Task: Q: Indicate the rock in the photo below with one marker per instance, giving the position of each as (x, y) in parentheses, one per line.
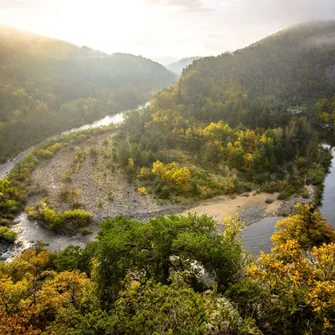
(252, 214)
(288, 207)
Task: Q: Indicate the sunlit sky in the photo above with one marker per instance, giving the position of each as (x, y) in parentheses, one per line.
(153, 28)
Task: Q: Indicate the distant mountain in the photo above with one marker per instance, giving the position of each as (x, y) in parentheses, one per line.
(180, 65)
(47, 85)
(164, 60)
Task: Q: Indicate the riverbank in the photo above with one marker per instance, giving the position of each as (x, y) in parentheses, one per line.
(7, 166)
(88, 177)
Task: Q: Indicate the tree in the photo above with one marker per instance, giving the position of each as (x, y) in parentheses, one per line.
(307, 227)
(292, 287)
(162, 246)
(149, 307)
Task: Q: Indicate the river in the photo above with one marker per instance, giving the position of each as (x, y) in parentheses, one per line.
(117, 118)
(256, 237)
(28, 230)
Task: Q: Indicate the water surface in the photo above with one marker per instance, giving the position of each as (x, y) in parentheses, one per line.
(30, 232)
(328, 201)
(256, 237)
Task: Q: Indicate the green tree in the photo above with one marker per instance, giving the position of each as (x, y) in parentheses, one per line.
(162, 246)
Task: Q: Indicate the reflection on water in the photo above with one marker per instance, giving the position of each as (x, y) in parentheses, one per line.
(256, 237)
(106, 121)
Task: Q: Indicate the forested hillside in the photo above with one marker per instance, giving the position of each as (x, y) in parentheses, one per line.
(48, 85)
(293, 67)
(234, 123)
(238, 120)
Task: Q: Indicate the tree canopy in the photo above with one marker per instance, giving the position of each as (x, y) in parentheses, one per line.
(175, 275)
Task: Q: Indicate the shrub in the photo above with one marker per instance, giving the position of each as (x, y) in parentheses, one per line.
(86, 231)
(7, 235)
(59, 221)
(4, 222)
(65, 196)
(94, 153)
(270, 187)
(142, 190)
(315, 176)
(44, 154)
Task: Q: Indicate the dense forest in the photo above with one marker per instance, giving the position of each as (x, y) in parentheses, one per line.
(47, 86)
(326, 112)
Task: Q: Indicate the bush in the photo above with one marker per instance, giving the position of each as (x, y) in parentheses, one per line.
(68, 221)
(86, 231)
(7, 235)
(316, 176)
(94, 153)
(44, 154)
(305, 194)
(64, 196)
(4, 222)
(270, 187)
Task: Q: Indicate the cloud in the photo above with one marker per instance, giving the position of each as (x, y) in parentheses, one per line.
(285, 12)
(185, 5)
(189, 27)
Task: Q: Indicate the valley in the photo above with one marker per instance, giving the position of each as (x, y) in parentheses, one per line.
(110, 194)
(208, 210)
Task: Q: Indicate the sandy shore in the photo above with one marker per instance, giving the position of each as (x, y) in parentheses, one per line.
(250, 207)
(228, 206)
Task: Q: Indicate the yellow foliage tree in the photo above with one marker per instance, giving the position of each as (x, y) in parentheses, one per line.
(307, 227)
(179, 176)
(302, 264)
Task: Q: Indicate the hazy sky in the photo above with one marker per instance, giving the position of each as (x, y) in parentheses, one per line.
(161, 27)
